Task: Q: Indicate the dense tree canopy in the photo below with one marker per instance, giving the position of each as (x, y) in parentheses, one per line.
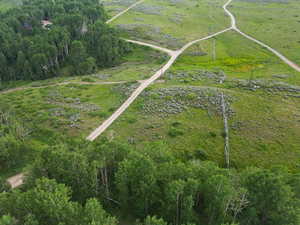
(70, 183)
(42, 38)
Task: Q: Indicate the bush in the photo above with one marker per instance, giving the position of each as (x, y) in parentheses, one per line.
(87, 79)
(174, 132)
(176, 124)
(131, 120)
(212, 134)
(201, 154)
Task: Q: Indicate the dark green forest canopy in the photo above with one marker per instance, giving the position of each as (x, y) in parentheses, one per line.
(42, 39)
(79, 183)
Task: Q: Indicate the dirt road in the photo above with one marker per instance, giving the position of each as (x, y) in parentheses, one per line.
(124, 11)
(278, 54)
(174, 55)
(16, 180)
(168, 51)
(145, 84)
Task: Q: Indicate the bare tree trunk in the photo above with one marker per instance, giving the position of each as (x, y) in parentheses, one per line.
(226, 131)
(177, 209)
(214, 50)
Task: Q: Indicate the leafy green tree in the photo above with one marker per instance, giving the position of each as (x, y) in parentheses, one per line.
(179, 201)
(218, 191)
(7, 220)
(88, 66)
(66, 167)
(31, 220)
(136, 182)
(271, 199)
(49, 203)
(4, 186)
(95, 215)
(20, 64)
(152, 220)
(3, 66)
(40, 65)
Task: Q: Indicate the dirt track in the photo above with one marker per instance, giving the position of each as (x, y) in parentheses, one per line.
(17, 180)
(174, 55)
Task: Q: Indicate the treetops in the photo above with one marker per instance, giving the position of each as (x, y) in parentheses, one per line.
(76, 39)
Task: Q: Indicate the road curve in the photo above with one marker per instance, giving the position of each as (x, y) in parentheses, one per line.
(145, 84)
(168, 51)
(278, 54)
(124, 11)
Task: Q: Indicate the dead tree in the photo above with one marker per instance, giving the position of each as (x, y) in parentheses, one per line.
(226, 130)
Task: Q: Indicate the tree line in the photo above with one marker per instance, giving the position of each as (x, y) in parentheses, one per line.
(87, 183)
(77, 42)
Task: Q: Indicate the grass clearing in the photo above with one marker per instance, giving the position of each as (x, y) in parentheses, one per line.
(113, 7)
(264, 123)
(277, 23)
(238, 58)
(173, 23)
(263, 128)
(70, 109)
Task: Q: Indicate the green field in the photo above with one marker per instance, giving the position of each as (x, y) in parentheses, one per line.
(184, 112)
(238, 58)
(173, 23)
(113, 7)
(277, 23)
(72, 109)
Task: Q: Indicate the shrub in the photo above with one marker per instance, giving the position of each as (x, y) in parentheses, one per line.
(212, 134)
(174, 132)
(201, 154)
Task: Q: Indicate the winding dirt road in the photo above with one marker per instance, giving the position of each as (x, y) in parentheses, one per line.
(174, 55)
(124, 11)
(278, 54)
(17, 180)
(168, 51)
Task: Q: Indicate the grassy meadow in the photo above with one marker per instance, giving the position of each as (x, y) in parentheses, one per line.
(173, 23)
(183, 112)
(239, 58)
(277, 23)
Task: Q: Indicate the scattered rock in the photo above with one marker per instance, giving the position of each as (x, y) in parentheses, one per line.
(174, 100)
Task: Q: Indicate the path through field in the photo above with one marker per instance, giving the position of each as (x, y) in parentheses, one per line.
(174, 55)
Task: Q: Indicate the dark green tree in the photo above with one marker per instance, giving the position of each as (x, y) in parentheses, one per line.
(271, 199)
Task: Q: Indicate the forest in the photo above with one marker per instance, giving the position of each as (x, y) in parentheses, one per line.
(72, 181)
(105, 182)
(43, 39)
